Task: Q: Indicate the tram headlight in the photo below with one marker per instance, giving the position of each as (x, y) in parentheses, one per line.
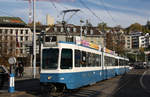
(49, 77)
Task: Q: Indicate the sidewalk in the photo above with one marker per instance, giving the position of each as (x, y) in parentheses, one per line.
(26, 77)
(15, 94)
(21, 92)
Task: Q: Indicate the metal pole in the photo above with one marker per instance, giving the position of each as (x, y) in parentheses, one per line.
(136, 57)
(81, 29)
(34, 39)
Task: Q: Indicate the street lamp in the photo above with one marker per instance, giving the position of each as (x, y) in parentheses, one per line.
(34, 39)
(81, 21)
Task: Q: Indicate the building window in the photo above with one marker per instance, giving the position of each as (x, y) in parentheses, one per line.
(71, 29)
(21, 51)
(6, 37)
(55, 29)
(21, 32)
(6, 31)
(21, 45)
(11, 31)
(68, 29)
(74, 29)
(26, 31)
(21, 38)
(91, 32)
(50, 39)
(3, 31)
(58, 29)
(11, 37)
(26, 38)
(62, 29)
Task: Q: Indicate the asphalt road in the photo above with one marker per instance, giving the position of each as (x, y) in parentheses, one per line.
(136, 83)
(133, 84)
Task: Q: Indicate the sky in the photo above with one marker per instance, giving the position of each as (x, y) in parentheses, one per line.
(112, 12)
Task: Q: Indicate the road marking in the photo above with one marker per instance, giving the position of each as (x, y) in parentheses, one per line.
(120, 87)
(141, 81)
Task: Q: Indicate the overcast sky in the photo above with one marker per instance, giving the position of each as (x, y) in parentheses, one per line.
(113, 12)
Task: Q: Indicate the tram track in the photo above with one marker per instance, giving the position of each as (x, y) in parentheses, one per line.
(127, 85)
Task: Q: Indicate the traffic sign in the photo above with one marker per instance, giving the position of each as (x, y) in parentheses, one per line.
(12, 60)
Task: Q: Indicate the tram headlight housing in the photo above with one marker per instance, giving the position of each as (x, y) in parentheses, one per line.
(49, 77)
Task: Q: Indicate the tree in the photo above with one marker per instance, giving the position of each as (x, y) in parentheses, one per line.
(141, 55)
(136, 27)
(37, 24)
(115, 42)
(109, 41)
(7, 49)
(102, 26)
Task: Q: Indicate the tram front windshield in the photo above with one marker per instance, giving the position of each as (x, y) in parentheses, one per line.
(50, 58)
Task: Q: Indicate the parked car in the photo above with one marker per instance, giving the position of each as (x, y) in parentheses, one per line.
(4, 76)
(140, 65)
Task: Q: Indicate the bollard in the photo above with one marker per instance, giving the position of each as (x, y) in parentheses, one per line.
(12, 83)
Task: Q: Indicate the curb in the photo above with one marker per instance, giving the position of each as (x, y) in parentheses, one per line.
(16, 94)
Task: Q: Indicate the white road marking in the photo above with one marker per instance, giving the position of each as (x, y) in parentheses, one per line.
(141, 81)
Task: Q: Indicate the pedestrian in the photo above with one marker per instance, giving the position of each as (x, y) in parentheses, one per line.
(16, 70)
(21, 70)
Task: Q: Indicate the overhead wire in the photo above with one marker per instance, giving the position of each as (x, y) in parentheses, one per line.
(93, 13)
(108, 12)
(71, 15)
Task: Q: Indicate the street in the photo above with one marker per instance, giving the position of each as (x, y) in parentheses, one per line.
(133, 84)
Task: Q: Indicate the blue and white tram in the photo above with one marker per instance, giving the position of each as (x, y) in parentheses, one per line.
(72, 66)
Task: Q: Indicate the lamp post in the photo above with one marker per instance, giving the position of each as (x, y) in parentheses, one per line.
(34, 39)
(81, 21)
(12, 62)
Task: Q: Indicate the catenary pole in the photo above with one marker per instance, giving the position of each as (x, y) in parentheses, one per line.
(34, 38)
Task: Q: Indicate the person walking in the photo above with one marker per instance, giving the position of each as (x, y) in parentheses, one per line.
(21, 70)
(16, 70)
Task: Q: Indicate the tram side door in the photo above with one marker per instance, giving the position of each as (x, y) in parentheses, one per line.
(104, 68)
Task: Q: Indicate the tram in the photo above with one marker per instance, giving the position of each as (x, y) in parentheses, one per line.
(70, 65)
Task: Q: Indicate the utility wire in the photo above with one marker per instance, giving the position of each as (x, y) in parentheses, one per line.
(67, 9)
(93, 13)
(108, 12)
(76, 14)
(53, 4)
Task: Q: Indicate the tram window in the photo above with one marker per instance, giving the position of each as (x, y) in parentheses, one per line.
(89, 60)
(97, 59)
(66, 59)
(109, 61)
(92, 60)
(77, 58)
(50, 58)
(83, 62)
(105, 58)
(116, 62)
(113, 61)
(121, 62)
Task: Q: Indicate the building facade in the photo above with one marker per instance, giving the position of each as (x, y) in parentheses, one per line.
(137, 40)
(128, 42)
(69, 33)
(15, 37)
